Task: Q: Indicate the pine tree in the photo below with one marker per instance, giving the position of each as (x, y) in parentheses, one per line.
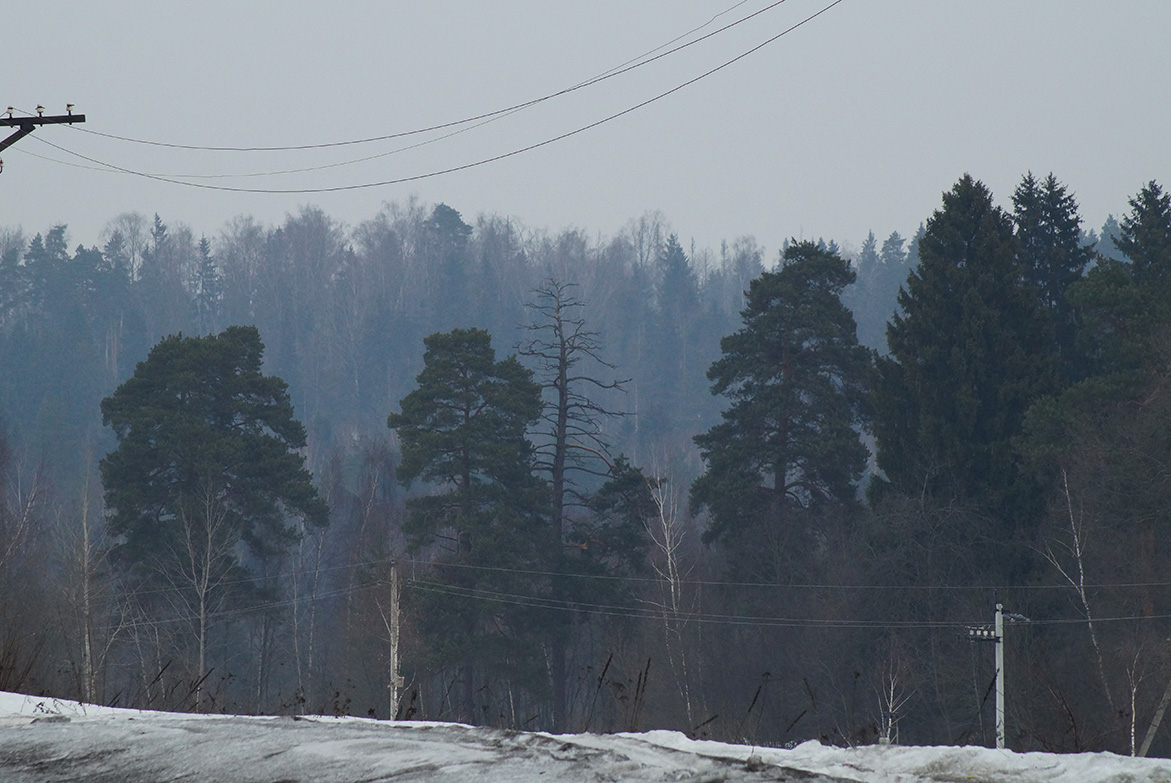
(462, 431)
(788, 442)
(896, 262)
(1103, 443)
(207, 478)
(47, 271)
(165, 301)
(13, 296)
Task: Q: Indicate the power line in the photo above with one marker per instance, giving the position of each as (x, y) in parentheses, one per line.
(318, 571)
(245, 610)
(26, 125)
(649, 612)
(775, 586)
(60, 162)
(619, 70)
(244, 175)
(465, 166)
(314, 571)
(636, 612)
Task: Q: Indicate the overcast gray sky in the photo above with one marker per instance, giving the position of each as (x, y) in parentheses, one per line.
(855, 121)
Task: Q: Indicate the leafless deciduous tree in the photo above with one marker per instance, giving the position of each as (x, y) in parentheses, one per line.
(95, 617)
(1069, 558)
(571, 444)
(668, 534)
(23, 498)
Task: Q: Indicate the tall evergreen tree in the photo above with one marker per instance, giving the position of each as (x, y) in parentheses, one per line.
(162, 284)
(858, 294)
(1107, 246)
(125, 339)
(969, 353)
(896, 262)
(1104, 441)
(1125, 303)
(1053, 257)
(1145, 238)
(788, 442)
(209, 291)
(873, 296)
(12, 278)
(677, 297)
(48, 274)
(462, 430)
(207, 479)
(452, 271)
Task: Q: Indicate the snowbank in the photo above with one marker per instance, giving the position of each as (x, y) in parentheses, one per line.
(44, 739)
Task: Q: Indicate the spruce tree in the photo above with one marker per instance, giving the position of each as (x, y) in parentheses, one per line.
(969, 353)
(676, 336)
(861, 294)
(209, 291)
(1123, 304)
(452, 276)
(1053, 257)
(1146, 239)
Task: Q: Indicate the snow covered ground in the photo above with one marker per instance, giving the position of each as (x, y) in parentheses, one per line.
(53, 740)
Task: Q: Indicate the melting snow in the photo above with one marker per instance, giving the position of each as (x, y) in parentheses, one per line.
(54, 740)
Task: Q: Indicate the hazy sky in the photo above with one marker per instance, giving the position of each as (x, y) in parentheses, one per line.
(855, 121)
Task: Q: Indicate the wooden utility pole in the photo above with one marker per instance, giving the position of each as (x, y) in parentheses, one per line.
(26, 125)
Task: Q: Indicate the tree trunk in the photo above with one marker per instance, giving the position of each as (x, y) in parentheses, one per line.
(559, 646)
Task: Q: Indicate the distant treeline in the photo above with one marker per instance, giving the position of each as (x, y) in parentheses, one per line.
(783, 526)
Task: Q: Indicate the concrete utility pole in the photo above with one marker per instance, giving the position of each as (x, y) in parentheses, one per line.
(995, 634)
(26, 125)
(1000, 676)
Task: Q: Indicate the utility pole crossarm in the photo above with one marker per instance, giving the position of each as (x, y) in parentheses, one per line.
(56, 119)
(27, 125)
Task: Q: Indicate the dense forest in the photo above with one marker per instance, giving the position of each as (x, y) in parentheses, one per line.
(420, 467)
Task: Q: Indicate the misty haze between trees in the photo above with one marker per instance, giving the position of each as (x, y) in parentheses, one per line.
(563, 482)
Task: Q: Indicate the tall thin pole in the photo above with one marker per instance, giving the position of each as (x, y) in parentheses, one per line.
(396, 680)
(999, 630)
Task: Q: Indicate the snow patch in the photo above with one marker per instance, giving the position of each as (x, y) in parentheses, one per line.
(46, 739)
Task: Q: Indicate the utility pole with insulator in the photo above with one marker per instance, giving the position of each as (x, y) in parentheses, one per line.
(995, 634)
(26, 125)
